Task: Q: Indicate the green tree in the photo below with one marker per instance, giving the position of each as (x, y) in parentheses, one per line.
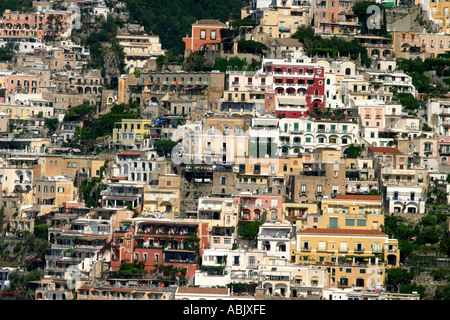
(250, 230)
(442, 292)
(411, 287)
(250, 46)
(397, 277)
(354, 151)
(165, 145)
(51, 123)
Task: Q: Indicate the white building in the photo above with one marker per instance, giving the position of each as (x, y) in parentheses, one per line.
(274, 239)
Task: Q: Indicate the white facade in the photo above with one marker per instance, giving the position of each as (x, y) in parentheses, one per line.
(273, 238)
(299, 135)
(407, 199)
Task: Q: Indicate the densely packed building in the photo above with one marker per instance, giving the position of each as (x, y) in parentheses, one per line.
(250, 148)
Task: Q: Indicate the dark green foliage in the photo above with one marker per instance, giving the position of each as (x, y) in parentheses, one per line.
(440, 274)
(22, 282)
(165, 145)
(410, 288)
(233, 63)
(332, 47)
(16, 5)
(408, 101)
(51, 123)
(250, 230)
(105, 33)
(250, 46)
(397, 277)
(78, 112)
(7, 52)
(196, 62)
(94, 128)
(354, 151)
(360, 10)
(423, 83)
(442, 292)
(41, 231)
(172, 20)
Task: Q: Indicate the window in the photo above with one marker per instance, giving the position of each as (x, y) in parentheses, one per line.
(349, 222)
(303, 188)
(333, 223)
(319, 189)
(202, 34)
(359, 247)
(223, 180)
(236, 260)
(305, 245)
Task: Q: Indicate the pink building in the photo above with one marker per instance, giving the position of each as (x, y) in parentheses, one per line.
(205, 35)
(249, 81)
(444, 150)
(372, 116)
(299, 86)
(253, 207)
(35, 25)
(335, 17)
(21, 83)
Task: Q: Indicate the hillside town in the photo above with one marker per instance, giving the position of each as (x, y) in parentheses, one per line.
(294, 150)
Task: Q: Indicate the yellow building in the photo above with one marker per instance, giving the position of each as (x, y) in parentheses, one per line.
(163, 197)
(131, 133)
(440, 14)
(353, 212)
(355, 257)
(139, 49)
(16, 111)
(297, 212)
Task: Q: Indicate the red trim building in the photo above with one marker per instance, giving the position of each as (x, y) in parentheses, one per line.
(160, 242)
(204, 35)
(298, 86)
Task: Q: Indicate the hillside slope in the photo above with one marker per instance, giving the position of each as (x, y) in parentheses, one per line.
(172, 19)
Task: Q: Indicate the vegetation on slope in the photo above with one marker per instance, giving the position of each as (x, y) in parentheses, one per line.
(171, 20)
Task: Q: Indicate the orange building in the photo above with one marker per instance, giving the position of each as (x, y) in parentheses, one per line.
(205, 34)
(36, 25)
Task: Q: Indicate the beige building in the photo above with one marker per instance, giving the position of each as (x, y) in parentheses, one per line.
(164, 197)
(51, 193)
(279, 22)
(139, 49)
(355, 257)
(412, 44)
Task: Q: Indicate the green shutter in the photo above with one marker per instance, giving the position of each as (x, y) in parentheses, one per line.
(333, 223)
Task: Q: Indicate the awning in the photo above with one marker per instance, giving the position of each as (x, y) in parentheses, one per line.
(160, 120)
(299, 101)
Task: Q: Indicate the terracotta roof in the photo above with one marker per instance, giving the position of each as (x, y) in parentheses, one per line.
(384, 150)
(289, 42)
(357, 197)
(342, 231)
(198, 290)
(129, 153)
(118, 178)
(209, 21)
